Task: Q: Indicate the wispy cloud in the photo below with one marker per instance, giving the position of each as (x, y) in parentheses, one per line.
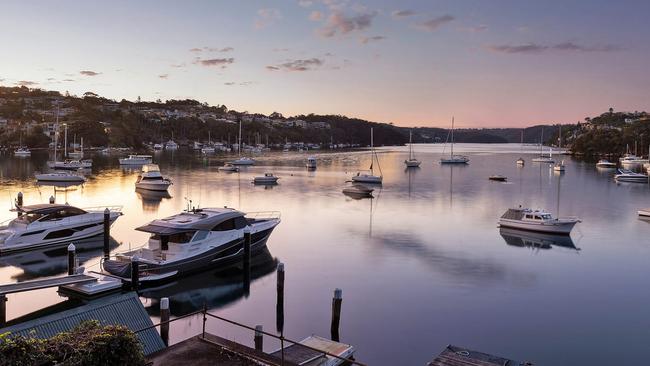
(89, 73)
(340, 23)
(211, 49)
(477, 29)
(305, 3)
(182, 64)
(434, 23)
(243, 83)
(266, 17)
(315, 16)
(215, 62)
(69, 80)
(163, 76)
(297, 65)
(366, 40)
(535, 48)
(403, 13)
(26, 83)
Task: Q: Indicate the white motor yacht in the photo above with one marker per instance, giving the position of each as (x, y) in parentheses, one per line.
(227, 167)
(625, 175)
(559, 167)
(45, 225)
(151, 179)
(604, 163)
(542, 221)
(22, 152)
(171, 145)
(158, 147)
(268, 178)
(521, 162)
(67, 177)
(136, 160)
(454, 159)
(631, 159)
(192, 241)
(311, 163)
(208, 149)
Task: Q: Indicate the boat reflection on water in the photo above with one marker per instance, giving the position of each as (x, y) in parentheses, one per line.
(52, 262)
(535, 240)
(215, 289)
(151, 199)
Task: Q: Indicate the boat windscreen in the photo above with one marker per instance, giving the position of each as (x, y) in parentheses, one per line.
(513, 214)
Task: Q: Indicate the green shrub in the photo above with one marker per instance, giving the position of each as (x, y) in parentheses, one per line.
(87, 344)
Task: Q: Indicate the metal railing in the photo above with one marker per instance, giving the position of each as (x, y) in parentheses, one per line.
(281, 337)
(258, 215)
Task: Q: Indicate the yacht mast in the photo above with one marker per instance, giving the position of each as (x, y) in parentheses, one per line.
(65, 145)
(239, 144)
(410, 145)
(452, 137)
(372, 150)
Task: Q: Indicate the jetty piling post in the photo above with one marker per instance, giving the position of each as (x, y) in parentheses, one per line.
(336, 313)
(52, 200)
(259, 340)
(71, 259)
(135, 273)
(107, 233)
(19, 202)
(279, 308)
(247, 259)
(164, 320)
(3, 309)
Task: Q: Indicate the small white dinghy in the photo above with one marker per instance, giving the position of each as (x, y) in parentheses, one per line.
(268, 178)
(300, 355)
(559, 167)
(604, 163)
(311, 163)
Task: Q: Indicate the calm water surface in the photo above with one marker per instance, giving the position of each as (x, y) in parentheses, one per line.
(421, 265)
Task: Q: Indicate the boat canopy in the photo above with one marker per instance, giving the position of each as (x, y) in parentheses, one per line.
(194, 220)
(45, 208)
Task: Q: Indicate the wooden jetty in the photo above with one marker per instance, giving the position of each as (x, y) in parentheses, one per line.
(459, 356)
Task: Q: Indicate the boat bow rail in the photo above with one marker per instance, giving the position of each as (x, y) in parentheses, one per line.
(101, 209)
(264, 215)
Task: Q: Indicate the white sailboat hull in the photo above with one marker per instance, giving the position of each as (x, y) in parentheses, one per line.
(58, 177)
(367, 178)
(412, 163)
(554, 226)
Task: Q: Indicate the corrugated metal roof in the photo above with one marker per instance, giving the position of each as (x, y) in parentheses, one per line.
(123, 309)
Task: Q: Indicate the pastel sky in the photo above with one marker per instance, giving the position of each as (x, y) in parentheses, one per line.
(489, 63)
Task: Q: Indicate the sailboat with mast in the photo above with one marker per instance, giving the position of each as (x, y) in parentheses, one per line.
(22, 151)
(369, 175)
(412, 162)
(242, 160)
(209, 148)
(454, 159)
(543, 158)
(521, 161)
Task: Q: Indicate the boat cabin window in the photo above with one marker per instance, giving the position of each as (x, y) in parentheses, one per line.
(530, 217)
(225, 225)
(200, 235)
(236, 223)
(546, 216)
(63, 213)
(178, 238)
(30, 217)
(537, 217)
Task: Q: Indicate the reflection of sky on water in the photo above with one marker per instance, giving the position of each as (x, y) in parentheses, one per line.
(421, 265)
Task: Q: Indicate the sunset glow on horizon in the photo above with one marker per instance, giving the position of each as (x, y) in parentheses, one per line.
(414, 63)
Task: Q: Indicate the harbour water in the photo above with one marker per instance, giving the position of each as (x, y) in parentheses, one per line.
(422, 264)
